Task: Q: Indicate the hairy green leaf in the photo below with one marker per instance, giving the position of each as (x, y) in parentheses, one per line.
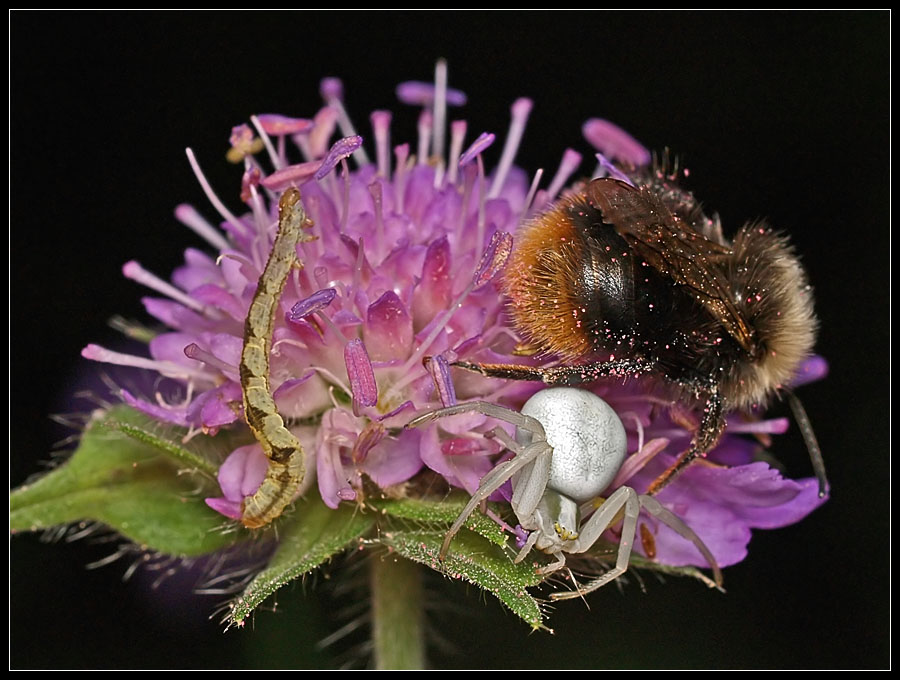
(477, 560)
(128, 473)
(442, 513)
(307, 537)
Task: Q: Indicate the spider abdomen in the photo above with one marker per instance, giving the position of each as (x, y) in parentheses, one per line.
(588, 440)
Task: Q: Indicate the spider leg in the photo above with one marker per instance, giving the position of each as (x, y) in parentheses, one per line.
(711, 425)
(532, 482)
(492, 481)
(674, 522)
(554, 566)
(624, 497)
(529, 544)
(485, 408)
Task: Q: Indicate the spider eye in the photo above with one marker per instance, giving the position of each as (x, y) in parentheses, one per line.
(564, 533)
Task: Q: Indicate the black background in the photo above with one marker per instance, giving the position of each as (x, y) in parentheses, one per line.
(780, 115)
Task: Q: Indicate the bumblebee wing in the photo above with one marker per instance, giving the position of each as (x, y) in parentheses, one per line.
(673, 247)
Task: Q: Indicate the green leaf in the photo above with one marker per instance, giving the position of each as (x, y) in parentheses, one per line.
(128, 473)
(476, 560)
(442, 513)
(134, 428)
(308, 537)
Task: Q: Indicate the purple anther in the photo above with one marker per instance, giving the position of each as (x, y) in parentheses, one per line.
(241, 136)
(416, 92)
(342, 148)
(612, 170)
(614, 142)
(331, 88)
(440, 373)
(318, 300)
(485, 139)
(494, 258)
(521, 536)
(362, 377)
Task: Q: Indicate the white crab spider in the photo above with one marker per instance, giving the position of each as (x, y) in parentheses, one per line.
(569, 446)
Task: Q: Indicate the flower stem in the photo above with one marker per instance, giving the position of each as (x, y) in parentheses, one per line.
(397, 617)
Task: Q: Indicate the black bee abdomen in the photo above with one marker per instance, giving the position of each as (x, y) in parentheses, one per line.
(632, 310)
(618, 293)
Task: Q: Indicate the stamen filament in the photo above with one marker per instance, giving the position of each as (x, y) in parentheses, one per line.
(134, 271)
(264, 136)
(193, 220)
(520, 110)
(440, 107)
(424, 129)
(211, 195)
(167, 368)
(457, 138)
(332, 92)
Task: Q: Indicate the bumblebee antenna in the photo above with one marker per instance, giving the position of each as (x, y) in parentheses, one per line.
(812, 444)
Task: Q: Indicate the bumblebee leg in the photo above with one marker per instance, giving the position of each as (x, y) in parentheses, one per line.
(705, 438)
(560, 375)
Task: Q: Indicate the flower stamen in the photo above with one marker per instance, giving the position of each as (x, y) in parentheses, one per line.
(520, 111)
(570, 161)
(267, 141)
(381, 126)
(532, 190)
(424, 129)
(134, 271)
(440, 107)
(211, 195)
(401, 153)
(457, 138)
(167, 368)
(193, 220)
(332, 90)
(194, 351)
(363, 389)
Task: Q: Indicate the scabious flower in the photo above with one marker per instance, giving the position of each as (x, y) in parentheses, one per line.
(722, 497)
(401, 266)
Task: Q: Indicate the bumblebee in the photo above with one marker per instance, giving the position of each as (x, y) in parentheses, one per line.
(633, 279)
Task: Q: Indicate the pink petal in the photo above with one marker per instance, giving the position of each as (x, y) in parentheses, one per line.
(389, 331)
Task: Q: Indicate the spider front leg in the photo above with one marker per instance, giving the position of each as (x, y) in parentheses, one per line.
(485, 408)
(600, 521)
(493, 480)
(623, 497)
(675, 523)
(531, 484)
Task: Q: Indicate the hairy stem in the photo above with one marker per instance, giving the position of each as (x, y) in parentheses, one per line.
(397, 616)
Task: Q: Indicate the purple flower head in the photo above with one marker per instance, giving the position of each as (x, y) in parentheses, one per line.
(399, 278)
(400, 268)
